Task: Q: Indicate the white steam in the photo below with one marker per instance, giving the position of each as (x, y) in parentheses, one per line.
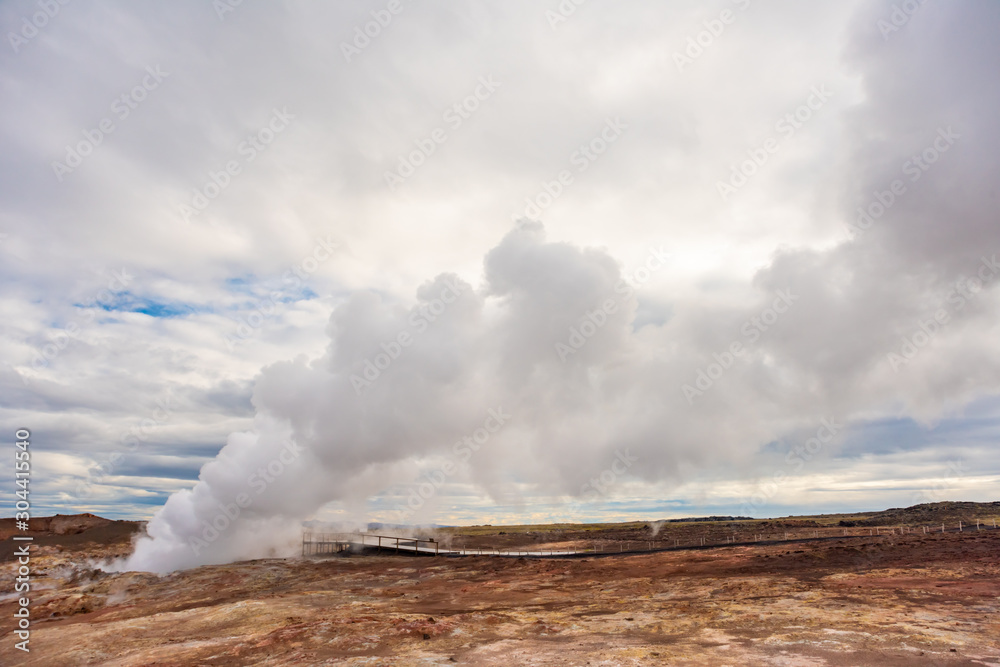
(326, 431)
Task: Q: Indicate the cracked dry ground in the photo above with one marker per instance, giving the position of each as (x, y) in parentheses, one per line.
(922, 600)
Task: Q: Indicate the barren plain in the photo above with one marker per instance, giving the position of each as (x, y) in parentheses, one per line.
(897, 598)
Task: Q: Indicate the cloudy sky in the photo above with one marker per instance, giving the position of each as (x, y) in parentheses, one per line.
(696, 257)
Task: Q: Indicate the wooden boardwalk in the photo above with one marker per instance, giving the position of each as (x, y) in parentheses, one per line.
(318, 544)
(315, 544)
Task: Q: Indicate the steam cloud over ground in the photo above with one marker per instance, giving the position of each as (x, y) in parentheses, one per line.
(548, 353)
(498, 263)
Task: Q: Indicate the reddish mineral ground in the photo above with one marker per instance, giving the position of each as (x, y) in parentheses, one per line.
(897, 598)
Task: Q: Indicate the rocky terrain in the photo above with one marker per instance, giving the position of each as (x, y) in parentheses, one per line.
(84, 533)
(898, 598)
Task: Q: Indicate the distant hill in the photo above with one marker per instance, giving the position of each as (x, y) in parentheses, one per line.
(69, 531)
(925, 514)
(60, 524)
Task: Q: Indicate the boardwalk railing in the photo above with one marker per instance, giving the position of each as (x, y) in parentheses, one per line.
(325, 543)
(316, 544)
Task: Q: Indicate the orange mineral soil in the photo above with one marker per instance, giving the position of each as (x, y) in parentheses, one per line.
(912, 599)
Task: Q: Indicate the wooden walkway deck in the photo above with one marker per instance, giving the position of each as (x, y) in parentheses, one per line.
(318, 544)
(315, 544)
